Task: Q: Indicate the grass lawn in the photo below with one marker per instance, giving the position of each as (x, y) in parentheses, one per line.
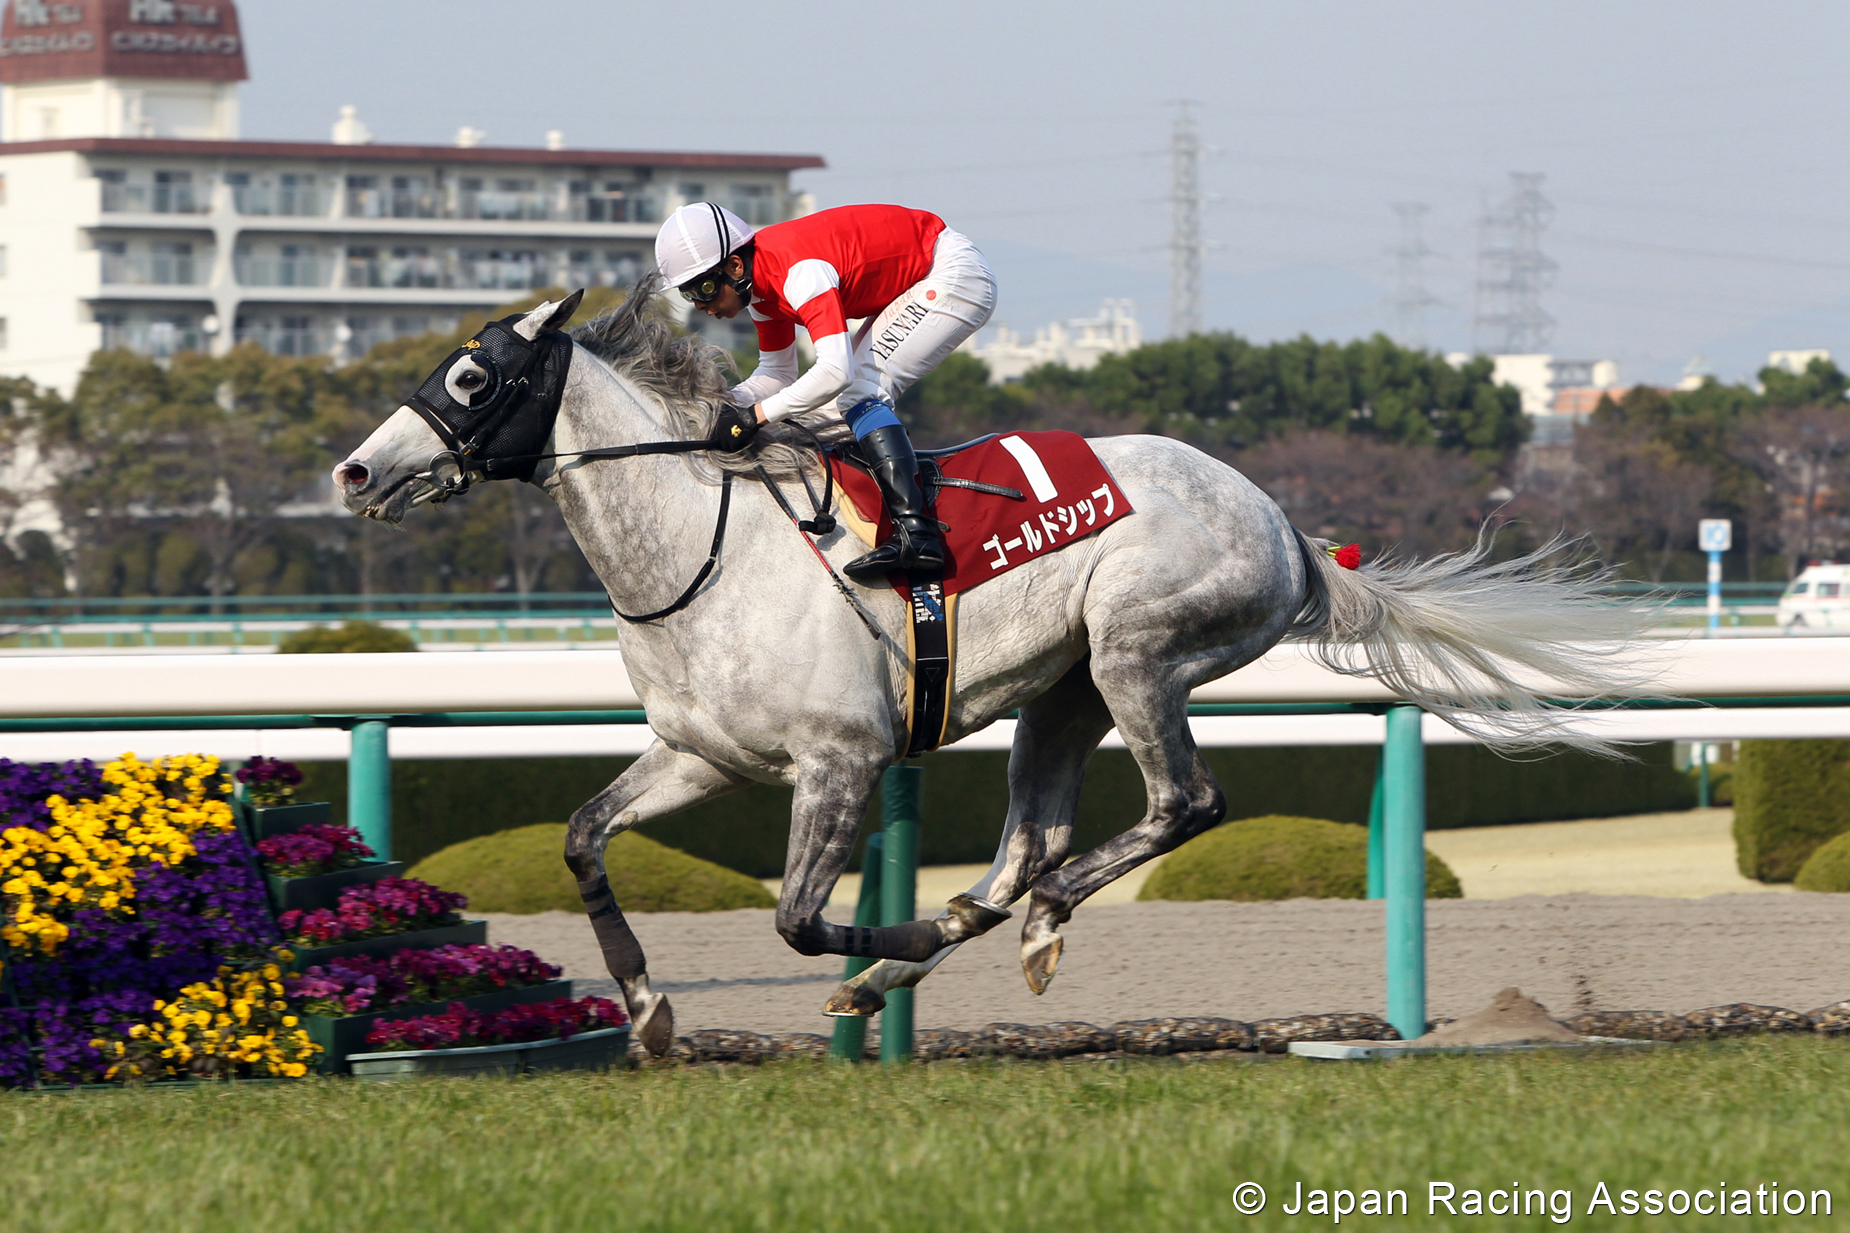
(1149, 1144)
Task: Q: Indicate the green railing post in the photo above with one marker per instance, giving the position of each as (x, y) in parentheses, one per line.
(1377, 865)
(899, 880)
(1403, 815)
(850, 1039)
(369, 784)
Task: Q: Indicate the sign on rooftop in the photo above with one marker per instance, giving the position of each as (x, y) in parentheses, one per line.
(46, 40)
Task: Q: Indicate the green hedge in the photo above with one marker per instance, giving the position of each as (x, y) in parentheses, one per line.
(437, 803)
(523, 870)
(1827, 869)
(354, 637)
(1261, 859)
(1789, 798)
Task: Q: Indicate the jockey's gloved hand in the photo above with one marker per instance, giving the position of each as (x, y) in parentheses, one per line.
(735, 427)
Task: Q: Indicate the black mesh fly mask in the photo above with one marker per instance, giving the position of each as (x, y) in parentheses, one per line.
(493, 402)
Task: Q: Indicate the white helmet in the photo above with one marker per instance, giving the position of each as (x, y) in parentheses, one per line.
(696, 238)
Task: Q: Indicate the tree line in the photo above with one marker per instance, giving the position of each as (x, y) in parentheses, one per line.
(206, 476)
(1396, 449)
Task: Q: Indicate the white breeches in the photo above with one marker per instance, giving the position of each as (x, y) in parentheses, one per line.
(915, 332)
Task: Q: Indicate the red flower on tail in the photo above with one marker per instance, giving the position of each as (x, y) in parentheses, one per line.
(1349, 556)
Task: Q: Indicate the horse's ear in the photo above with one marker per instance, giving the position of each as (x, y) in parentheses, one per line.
(548, 316)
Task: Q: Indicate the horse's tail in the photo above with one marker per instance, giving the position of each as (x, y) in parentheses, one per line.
(1473, 640)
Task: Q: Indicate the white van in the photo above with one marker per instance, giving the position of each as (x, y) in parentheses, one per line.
(1818, 598)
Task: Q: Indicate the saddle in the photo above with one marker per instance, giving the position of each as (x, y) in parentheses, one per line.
(1003, 499)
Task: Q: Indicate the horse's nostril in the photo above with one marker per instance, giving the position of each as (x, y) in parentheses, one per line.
(351, 474)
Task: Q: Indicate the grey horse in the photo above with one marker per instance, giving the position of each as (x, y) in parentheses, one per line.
(769, 676)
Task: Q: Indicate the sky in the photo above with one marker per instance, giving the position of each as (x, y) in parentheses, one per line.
(1692, 150)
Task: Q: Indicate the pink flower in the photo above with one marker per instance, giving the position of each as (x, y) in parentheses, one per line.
(375, 909)
(312, 850)
(461, 1027)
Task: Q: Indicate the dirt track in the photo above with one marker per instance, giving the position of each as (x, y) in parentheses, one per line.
(1251, 961)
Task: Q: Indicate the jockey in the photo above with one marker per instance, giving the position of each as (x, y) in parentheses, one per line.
(919, 288)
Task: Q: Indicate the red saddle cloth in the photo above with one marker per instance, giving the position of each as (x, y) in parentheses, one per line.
(1066, 495)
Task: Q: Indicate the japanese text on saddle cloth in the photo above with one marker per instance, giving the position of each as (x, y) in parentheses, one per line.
(1067, 494)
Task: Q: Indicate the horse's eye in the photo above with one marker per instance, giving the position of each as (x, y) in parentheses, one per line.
(469, 379)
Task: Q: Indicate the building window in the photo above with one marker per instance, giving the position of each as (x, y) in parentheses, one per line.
(296, 336)
(172, 265)
(119, 196)
(113, 259)
(160, 337)
(364, 200)
(412, 266)
(174, 193)
(2, 333)
(412, 197)
(2, 189)
(509, 199)
(364, 268)
(296, 195)
(755, 203)
(298, 267)
(2, 261)
(613, 201)
(504, 270)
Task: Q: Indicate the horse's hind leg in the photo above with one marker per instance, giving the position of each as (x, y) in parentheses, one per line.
(1054, 739)
(660, 782)
(1150, 705)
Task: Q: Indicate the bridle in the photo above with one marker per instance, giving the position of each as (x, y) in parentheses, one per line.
(516, 409)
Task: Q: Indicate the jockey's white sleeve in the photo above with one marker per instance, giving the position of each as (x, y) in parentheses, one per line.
(827, 377)
(775, 371)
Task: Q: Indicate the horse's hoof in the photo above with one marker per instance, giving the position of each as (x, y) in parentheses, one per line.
(654, 1025)
(854, 1000)
(1039, 960)
(968, 917)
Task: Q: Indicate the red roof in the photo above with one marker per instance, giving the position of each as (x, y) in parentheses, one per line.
(405, 154)
(51, 40)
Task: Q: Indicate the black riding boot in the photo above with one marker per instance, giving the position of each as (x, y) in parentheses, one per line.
(916, 543)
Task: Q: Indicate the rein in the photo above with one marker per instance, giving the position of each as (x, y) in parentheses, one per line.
(525, 382)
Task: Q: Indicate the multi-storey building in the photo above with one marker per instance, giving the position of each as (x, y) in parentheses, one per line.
(131, 215)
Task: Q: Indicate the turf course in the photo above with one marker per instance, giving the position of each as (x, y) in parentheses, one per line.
(1154, 1144)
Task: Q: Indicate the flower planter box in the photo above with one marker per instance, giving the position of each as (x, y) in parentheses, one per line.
(346, 1035)
(467, 933)
(586, 1051)
(261, 822)
(322, 890)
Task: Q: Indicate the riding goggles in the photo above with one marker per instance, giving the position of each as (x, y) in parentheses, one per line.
(704, 289)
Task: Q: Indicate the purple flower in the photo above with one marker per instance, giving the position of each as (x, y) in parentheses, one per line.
(269, 782)
(361, 983)
(187, 920)
(24, 787)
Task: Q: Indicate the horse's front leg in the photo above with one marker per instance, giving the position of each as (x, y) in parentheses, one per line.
(660, 782)
(832, 792)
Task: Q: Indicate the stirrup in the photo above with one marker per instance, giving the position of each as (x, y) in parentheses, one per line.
(898, 555)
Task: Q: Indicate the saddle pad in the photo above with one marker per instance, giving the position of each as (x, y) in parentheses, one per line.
(1066, 492)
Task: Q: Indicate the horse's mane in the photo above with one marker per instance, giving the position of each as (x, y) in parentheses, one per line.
(690, 377)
